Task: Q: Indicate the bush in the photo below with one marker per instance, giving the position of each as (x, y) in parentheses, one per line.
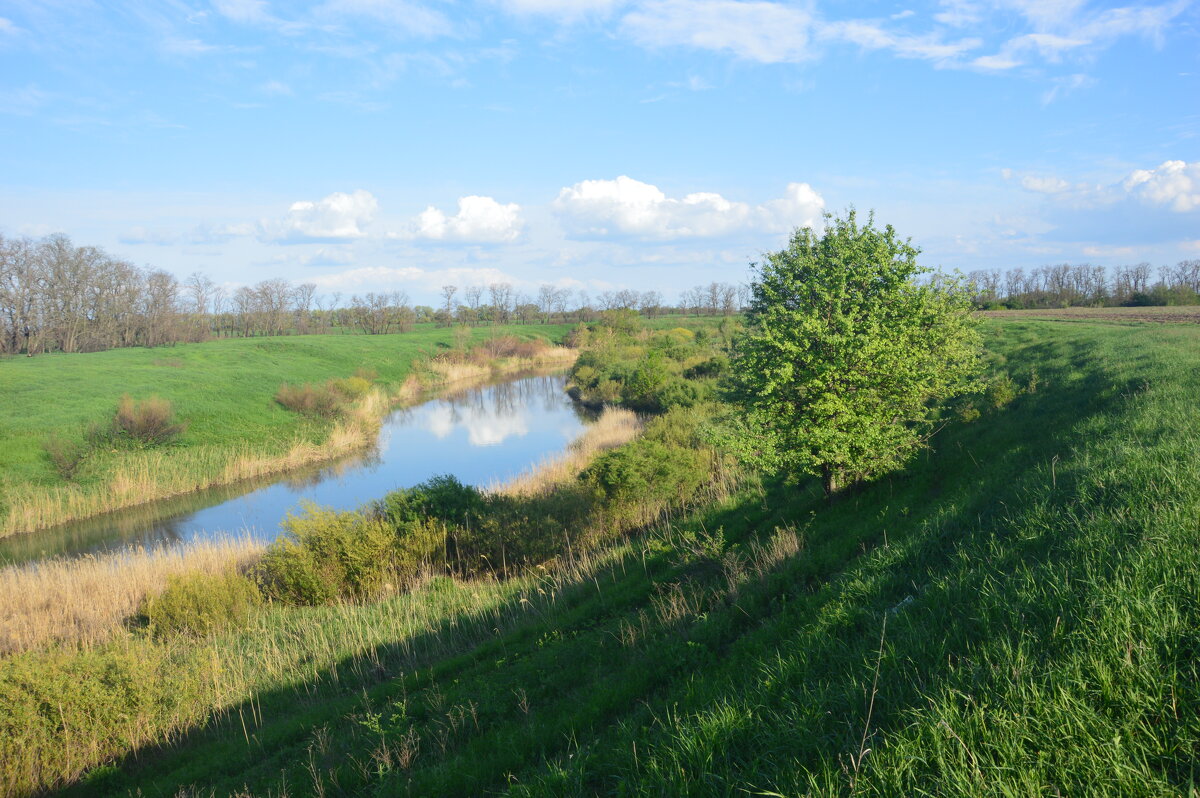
(198, 604)
(1000, 391)
(442, 497)
(67, 456)
(150, 422)
(318, 401)
(327, 555)
(351, 387)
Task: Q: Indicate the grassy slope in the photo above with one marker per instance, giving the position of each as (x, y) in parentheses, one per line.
(224, 389)
(1042, 560)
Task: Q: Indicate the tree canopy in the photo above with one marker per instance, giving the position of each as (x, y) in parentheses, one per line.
(848, 350)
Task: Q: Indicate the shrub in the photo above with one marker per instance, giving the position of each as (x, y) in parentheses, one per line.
(1000, 391)
(318, 401)
(712, 367)
(326, 555)
(150, 421)
(442, 497)
(198, 604)
(67, 456)
(351, 387)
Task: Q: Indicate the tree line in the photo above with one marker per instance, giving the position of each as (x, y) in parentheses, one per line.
(59, 297)
(1066, 285)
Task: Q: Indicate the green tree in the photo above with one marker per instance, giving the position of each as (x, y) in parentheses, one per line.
(847, 352)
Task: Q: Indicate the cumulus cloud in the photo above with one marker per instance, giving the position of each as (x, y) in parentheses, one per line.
(479, 220)
(1175, 184)
(630, 207)
(337, 216)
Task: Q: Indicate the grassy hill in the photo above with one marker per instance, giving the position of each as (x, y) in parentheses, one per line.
(1017, 613)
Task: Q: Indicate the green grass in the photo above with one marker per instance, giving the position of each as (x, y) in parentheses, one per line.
(224, 390)
(1017, 613)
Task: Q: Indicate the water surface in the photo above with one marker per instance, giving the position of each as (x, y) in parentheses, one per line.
(481, 435)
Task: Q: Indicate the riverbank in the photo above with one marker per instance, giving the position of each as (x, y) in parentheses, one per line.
(224, 391)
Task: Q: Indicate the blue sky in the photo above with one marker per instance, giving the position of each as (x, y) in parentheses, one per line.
(370, 145)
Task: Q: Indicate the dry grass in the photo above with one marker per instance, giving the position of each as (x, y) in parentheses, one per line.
(615, 427)
(477, 365)
(86, 601)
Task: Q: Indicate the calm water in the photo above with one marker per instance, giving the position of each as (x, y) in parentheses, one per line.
(482, 435)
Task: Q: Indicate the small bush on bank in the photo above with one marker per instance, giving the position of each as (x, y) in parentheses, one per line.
(66, 455)
(150, 422)
(199, 604)
(351, 387)
(317, 401)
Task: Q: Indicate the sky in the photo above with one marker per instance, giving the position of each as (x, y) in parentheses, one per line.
(366, 145)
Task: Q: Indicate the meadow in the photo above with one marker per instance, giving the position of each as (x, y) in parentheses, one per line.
(1015, 613)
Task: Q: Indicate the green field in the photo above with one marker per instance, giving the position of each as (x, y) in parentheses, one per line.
(1017, 613)
(224, 390)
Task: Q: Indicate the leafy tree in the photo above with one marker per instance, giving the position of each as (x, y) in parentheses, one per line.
(847, 353)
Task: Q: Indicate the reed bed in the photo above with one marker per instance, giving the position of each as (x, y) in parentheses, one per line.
(615, 427)
(86, 601)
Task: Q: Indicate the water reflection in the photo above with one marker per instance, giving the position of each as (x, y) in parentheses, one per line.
(480, 435)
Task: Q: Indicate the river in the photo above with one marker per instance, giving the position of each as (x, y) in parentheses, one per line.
(481, 435)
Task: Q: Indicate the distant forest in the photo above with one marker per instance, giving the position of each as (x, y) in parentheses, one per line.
(58, 297)
(1067, 285)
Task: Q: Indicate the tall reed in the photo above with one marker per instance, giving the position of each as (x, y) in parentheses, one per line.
(82, 602)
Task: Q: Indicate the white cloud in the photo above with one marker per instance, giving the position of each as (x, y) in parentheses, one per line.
(479, 219)
(630, 207)
(412, 18)
(1096, 251)
(562, 10)
(757, 31)
(7, 26)
(870, 36)
(1175, 184)
(143, 235)
(386, 277)
(336, 216)
(1045, 185)
(247, 11)
(276, 87)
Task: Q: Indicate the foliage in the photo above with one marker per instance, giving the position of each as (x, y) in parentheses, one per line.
(199, 604)
(150, 422)
(846, 353)
(327, 555)
(441, 497)
(318, 401)
(66, 454)
(647, 371)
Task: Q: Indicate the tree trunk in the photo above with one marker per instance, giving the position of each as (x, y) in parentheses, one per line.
(827, 482)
